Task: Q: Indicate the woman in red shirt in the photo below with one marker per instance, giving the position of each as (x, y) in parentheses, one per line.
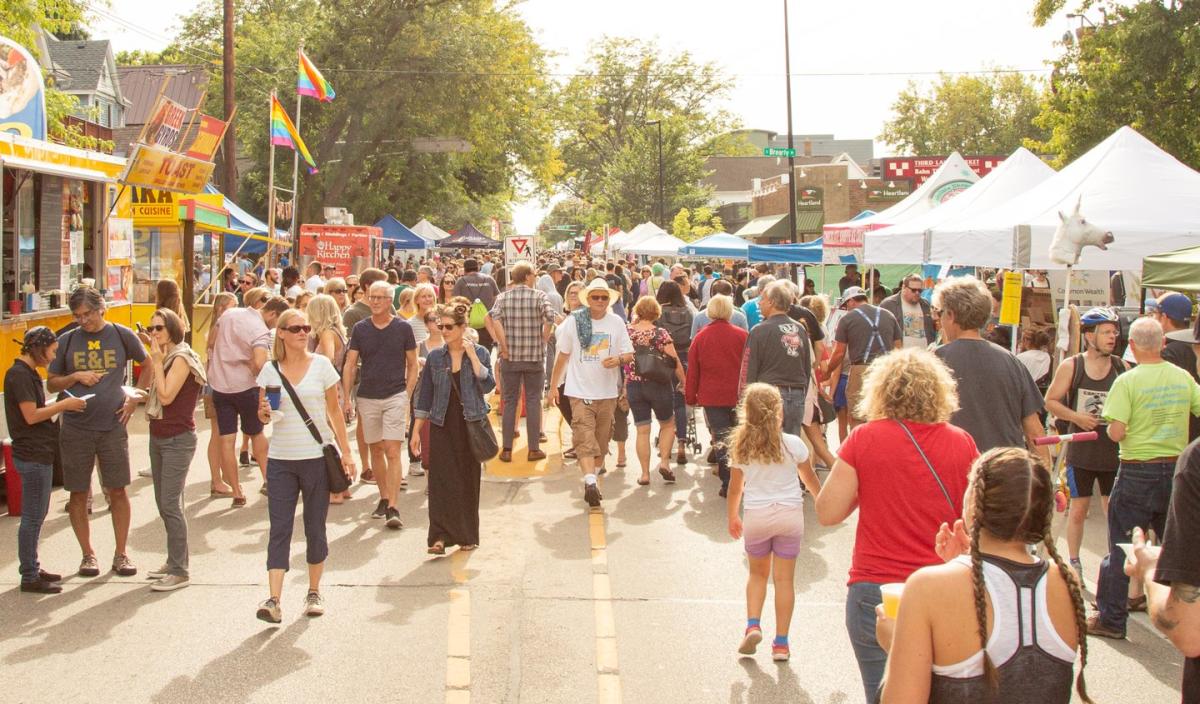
(906, 471)
(714, 370)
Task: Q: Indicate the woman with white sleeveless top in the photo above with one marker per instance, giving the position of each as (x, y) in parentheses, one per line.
(1028, 613)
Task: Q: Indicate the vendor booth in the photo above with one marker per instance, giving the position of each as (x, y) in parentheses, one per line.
(638, 234)
(398, 238)
(802, 253)
(1175, 271)
(721, 245)
(429, 232)
(469, 237)
(661, 245)
(349, 248)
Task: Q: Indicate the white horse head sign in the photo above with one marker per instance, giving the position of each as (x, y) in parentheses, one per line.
(1073, 234)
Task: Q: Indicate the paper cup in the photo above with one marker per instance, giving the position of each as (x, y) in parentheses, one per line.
(1127, 548)
(891, 598)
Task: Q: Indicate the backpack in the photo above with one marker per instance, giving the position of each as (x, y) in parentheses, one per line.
(678, 322)
(477, 316)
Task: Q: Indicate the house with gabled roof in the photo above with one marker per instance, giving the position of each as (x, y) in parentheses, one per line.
(86, 69)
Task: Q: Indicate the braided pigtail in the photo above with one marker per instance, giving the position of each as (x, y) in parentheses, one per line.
(978, 584)
(1080, 613)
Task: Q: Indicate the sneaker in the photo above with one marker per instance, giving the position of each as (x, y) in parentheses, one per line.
(269, 611)
(380, 510)
(123, 566)
(244, 459)
(505, 455)
(1095, 628)
(591, 494)
(41, 586)
(393, 519)
(49, 576)
(147, 472)
(750, 640)
(89, 567)
(170, 583)
(368, 477)
(780, 653)
(724, 492)
(416, 470)
(1137, 603)
(314, 605)
(158, 573)
(535, 455)
(1077, 566)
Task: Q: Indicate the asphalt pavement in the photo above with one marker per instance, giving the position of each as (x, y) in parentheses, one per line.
(640, 602)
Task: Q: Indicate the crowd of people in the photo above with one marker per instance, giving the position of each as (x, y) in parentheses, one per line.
(938, 431)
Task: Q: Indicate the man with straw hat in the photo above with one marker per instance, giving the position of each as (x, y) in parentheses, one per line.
(593, 343)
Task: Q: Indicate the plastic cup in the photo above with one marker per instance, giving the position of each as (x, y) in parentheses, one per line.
(1127, 548)
(891, 598)
(273, 397)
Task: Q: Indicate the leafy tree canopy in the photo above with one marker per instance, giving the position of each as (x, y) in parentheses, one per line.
(691, 225)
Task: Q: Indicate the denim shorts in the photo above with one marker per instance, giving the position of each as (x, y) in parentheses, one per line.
(650, 397)
(243, 406)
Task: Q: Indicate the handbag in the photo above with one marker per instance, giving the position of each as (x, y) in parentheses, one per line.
(654, 365)
(932, 471)
(480, 437)
(339, 481)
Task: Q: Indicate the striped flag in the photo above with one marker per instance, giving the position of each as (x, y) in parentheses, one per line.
(310, 82)
(284, 134)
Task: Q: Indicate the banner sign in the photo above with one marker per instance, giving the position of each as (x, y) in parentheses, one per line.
(347, 247)
(148, 207)
(919, 168)
(155, 167)
(208, 138)
(1010, 303)
(164, 125)
(22, 96)
(518, 248)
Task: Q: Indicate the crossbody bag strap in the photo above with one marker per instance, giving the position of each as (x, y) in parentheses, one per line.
(928, 464)
(308, 422)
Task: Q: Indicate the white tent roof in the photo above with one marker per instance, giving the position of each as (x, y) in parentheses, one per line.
(660, 245)
(908, 242)
(638, 234)
(598, 248)
(428, 231)
(1147, 198)
(951, 178)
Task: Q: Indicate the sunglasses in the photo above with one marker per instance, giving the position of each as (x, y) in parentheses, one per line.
(156, 328)
(294, 329)
(336, 290)
(916, 290)
(446, 328)
(598, 298)
(247, 283)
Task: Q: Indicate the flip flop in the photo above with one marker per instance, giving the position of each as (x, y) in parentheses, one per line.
(466, 548)
(667, 475)
(438, 548)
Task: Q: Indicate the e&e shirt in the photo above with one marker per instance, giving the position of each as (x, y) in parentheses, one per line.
(107, 352)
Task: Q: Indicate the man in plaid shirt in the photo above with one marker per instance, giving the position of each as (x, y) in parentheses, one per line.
(523, 321)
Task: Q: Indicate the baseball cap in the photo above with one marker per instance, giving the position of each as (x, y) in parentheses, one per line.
(1191, 337)
(1176, 306)
(851, 293)
(552, 266)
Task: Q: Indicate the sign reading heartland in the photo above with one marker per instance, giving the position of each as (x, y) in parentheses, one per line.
(22, 97)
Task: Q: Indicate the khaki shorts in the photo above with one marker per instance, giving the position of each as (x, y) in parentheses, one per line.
(383, 418)
(592, 426)
(854, 389)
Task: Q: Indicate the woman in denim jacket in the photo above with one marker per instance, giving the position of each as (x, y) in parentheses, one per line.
(449, 393)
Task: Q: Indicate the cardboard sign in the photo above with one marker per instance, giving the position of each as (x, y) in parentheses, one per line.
(1010, 304)
(518, 248)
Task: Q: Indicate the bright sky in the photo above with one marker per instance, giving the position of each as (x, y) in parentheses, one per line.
(893, 41)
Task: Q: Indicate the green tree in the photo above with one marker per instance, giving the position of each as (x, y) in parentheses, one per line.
(985, 114)
(689, 225)
(1140, 67)
(573, 213)
(467, 70)
(172, 54)
(610, 152)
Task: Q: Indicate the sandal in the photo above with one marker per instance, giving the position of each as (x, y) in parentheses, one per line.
(239, 501)
(643, 482)
(466, 548)
(667, 475)
(214, 494)
(438, 548)
(570, 454)
(621, 464)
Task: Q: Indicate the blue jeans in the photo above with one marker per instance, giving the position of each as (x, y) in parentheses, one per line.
(793, 410)
(860, 625)
(1140, 498)
(35, 502)
(649, 399)
(721, 420)
(287, 481)
(680, 407)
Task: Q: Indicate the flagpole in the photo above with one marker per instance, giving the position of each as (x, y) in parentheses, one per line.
(271, 184)
(296, 162)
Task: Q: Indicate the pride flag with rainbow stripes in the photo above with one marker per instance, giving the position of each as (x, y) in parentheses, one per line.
(310, 82)
(283, 134)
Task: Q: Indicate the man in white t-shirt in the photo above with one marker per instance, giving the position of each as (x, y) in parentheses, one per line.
(912, 312)
(314, 281)
(593, 377)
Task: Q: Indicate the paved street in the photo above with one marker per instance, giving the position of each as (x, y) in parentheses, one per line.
(640, 603)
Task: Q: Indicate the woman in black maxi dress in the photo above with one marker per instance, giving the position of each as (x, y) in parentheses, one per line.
(453, 479)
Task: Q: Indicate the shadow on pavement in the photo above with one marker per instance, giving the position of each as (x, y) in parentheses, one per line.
(784, 687)
(83, 630)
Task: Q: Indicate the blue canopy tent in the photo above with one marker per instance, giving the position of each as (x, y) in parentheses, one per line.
(397, 236)
(468, 237)
(804, 253)
(242, 221)
(720, 244)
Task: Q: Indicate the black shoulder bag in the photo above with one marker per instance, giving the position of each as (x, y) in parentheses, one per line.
(339, 481)
(480, 436)
(652, 364)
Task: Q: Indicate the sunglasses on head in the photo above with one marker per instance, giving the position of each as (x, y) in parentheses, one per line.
(298, 329)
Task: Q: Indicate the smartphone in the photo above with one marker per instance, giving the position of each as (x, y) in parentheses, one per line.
(140, 327)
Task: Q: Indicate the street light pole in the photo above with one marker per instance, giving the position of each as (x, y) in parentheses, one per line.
(787, 70)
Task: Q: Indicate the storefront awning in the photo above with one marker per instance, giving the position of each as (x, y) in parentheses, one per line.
(42, 167)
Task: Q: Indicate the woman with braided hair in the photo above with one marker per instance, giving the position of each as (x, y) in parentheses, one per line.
(1028, 613)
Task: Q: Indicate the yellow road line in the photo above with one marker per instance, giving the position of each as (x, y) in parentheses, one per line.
(608, 672)
(458, 642)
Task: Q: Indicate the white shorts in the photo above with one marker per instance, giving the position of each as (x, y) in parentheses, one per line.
(383, 418)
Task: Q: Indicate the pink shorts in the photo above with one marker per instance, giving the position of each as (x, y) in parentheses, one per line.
(778, 529)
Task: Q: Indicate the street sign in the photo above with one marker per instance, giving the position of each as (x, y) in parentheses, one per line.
(518, 248)
(778, 151)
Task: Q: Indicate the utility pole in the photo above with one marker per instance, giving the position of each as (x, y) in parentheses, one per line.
(787, 70)
(658, 124)
(230, 179)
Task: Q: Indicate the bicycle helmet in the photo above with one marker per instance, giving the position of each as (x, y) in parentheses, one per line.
(1096, 316)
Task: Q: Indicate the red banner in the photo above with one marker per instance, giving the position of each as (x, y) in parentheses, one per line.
(208, 138)
(348, 248)
(919, 168)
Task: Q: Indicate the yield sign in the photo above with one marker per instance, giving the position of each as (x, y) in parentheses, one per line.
(518, 248)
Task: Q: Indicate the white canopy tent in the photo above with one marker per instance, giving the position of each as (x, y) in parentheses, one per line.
(641, 233)
(845, 239)
(597, 249)
(909, 241)
(1147, 198)
(428, 231)
(662, 245)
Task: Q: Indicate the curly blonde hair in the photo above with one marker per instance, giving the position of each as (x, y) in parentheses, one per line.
(910, 384)
(759, 435)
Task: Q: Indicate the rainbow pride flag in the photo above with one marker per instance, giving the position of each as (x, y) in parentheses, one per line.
(283, 134)
(310, 82)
